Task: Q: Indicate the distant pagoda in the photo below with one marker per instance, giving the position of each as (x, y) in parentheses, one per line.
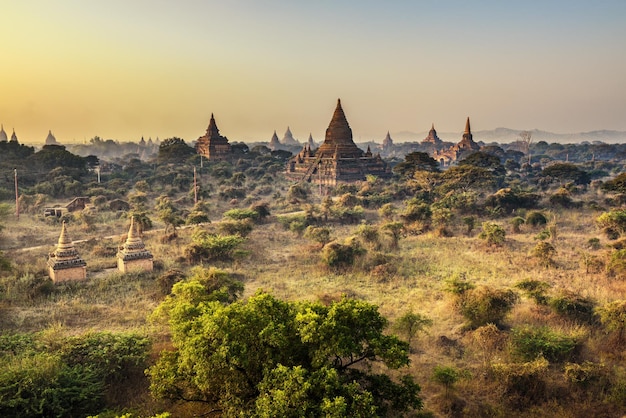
(387, 143)
(14, 138)
(213, 145)
(432, 138)
(3, 134)
(133, 254)
(338, 159)
(64, 264)
(274, 143)
(50, 139)
(288, 138)
(457, 152)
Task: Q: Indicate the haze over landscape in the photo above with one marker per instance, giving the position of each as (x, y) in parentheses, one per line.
(123, 70)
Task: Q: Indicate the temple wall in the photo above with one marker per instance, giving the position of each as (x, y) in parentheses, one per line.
(68, 275)
(134, 265)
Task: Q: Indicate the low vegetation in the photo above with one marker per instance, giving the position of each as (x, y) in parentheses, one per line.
(492, 288)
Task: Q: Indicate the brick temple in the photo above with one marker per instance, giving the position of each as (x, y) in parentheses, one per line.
(338, 159)
(212, 145)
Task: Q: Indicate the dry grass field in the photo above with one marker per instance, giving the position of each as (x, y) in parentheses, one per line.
(289, 266)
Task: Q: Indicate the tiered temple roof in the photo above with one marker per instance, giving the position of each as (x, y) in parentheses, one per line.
(338, 159)
(213, 145)
(14, 137)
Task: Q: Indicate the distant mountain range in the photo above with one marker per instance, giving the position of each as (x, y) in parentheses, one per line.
(506, 135)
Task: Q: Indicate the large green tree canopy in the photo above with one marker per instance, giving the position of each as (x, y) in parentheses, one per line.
(267, 357)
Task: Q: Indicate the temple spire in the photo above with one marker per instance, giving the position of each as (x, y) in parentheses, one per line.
(467, 127)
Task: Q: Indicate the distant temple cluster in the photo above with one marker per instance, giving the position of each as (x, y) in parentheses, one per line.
(338, 159)
(66, 265)
(4, 138)
(465, 147)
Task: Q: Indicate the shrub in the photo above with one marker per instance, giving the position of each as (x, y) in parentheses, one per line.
(529, 343)
(318, 234)
(416, 211)
(493, 234)
(586, 374)
(516, 223)
(534, 289)
(484, 305)
(524, 383)
(341, 256)
(613, 223)
(616, 266)
(544, 251)
(574, 307)
(613, 317)
(536, 218)
(241, 228)
(241, 214)
(210, 247)
(168, 279)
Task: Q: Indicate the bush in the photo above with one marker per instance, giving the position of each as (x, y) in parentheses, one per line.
(616, 266)
(529, 343)
(318, 234)
(613, 223)
(524, 383)
(544, 251)
(341, 256)
(536, 218)
(484, 305)
(613, 317)
(241, 214)
(211, 247)
(241, 228)
(574, 307)
(493, 234)
(534, 289)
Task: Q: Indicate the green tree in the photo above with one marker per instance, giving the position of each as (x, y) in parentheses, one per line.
(416, 161)
(410, 324)
(174, 150)
(566, 172)
(266, 357)
(447, 376)
(168, 213)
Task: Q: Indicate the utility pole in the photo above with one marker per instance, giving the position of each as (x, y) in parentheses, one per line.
(17, 197)
(195, 186)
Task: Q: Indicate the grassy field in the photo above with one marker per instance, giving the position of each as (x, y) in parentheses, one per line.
(289, 266)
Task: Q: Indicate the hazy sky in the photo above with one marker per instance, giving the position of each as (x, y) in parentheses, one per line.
(123, 69)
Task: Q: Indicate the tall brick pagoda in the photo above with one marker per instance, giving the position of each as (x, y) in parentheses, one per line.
(338, 159)
(133, 254)
(213, 145)
(64, 264)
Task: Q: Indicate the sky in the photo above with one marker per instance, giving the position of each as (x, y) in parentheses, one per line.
(123, 69)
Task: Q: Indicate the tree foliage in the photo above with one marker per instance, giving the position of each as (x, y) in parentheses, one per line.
(266, 357)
